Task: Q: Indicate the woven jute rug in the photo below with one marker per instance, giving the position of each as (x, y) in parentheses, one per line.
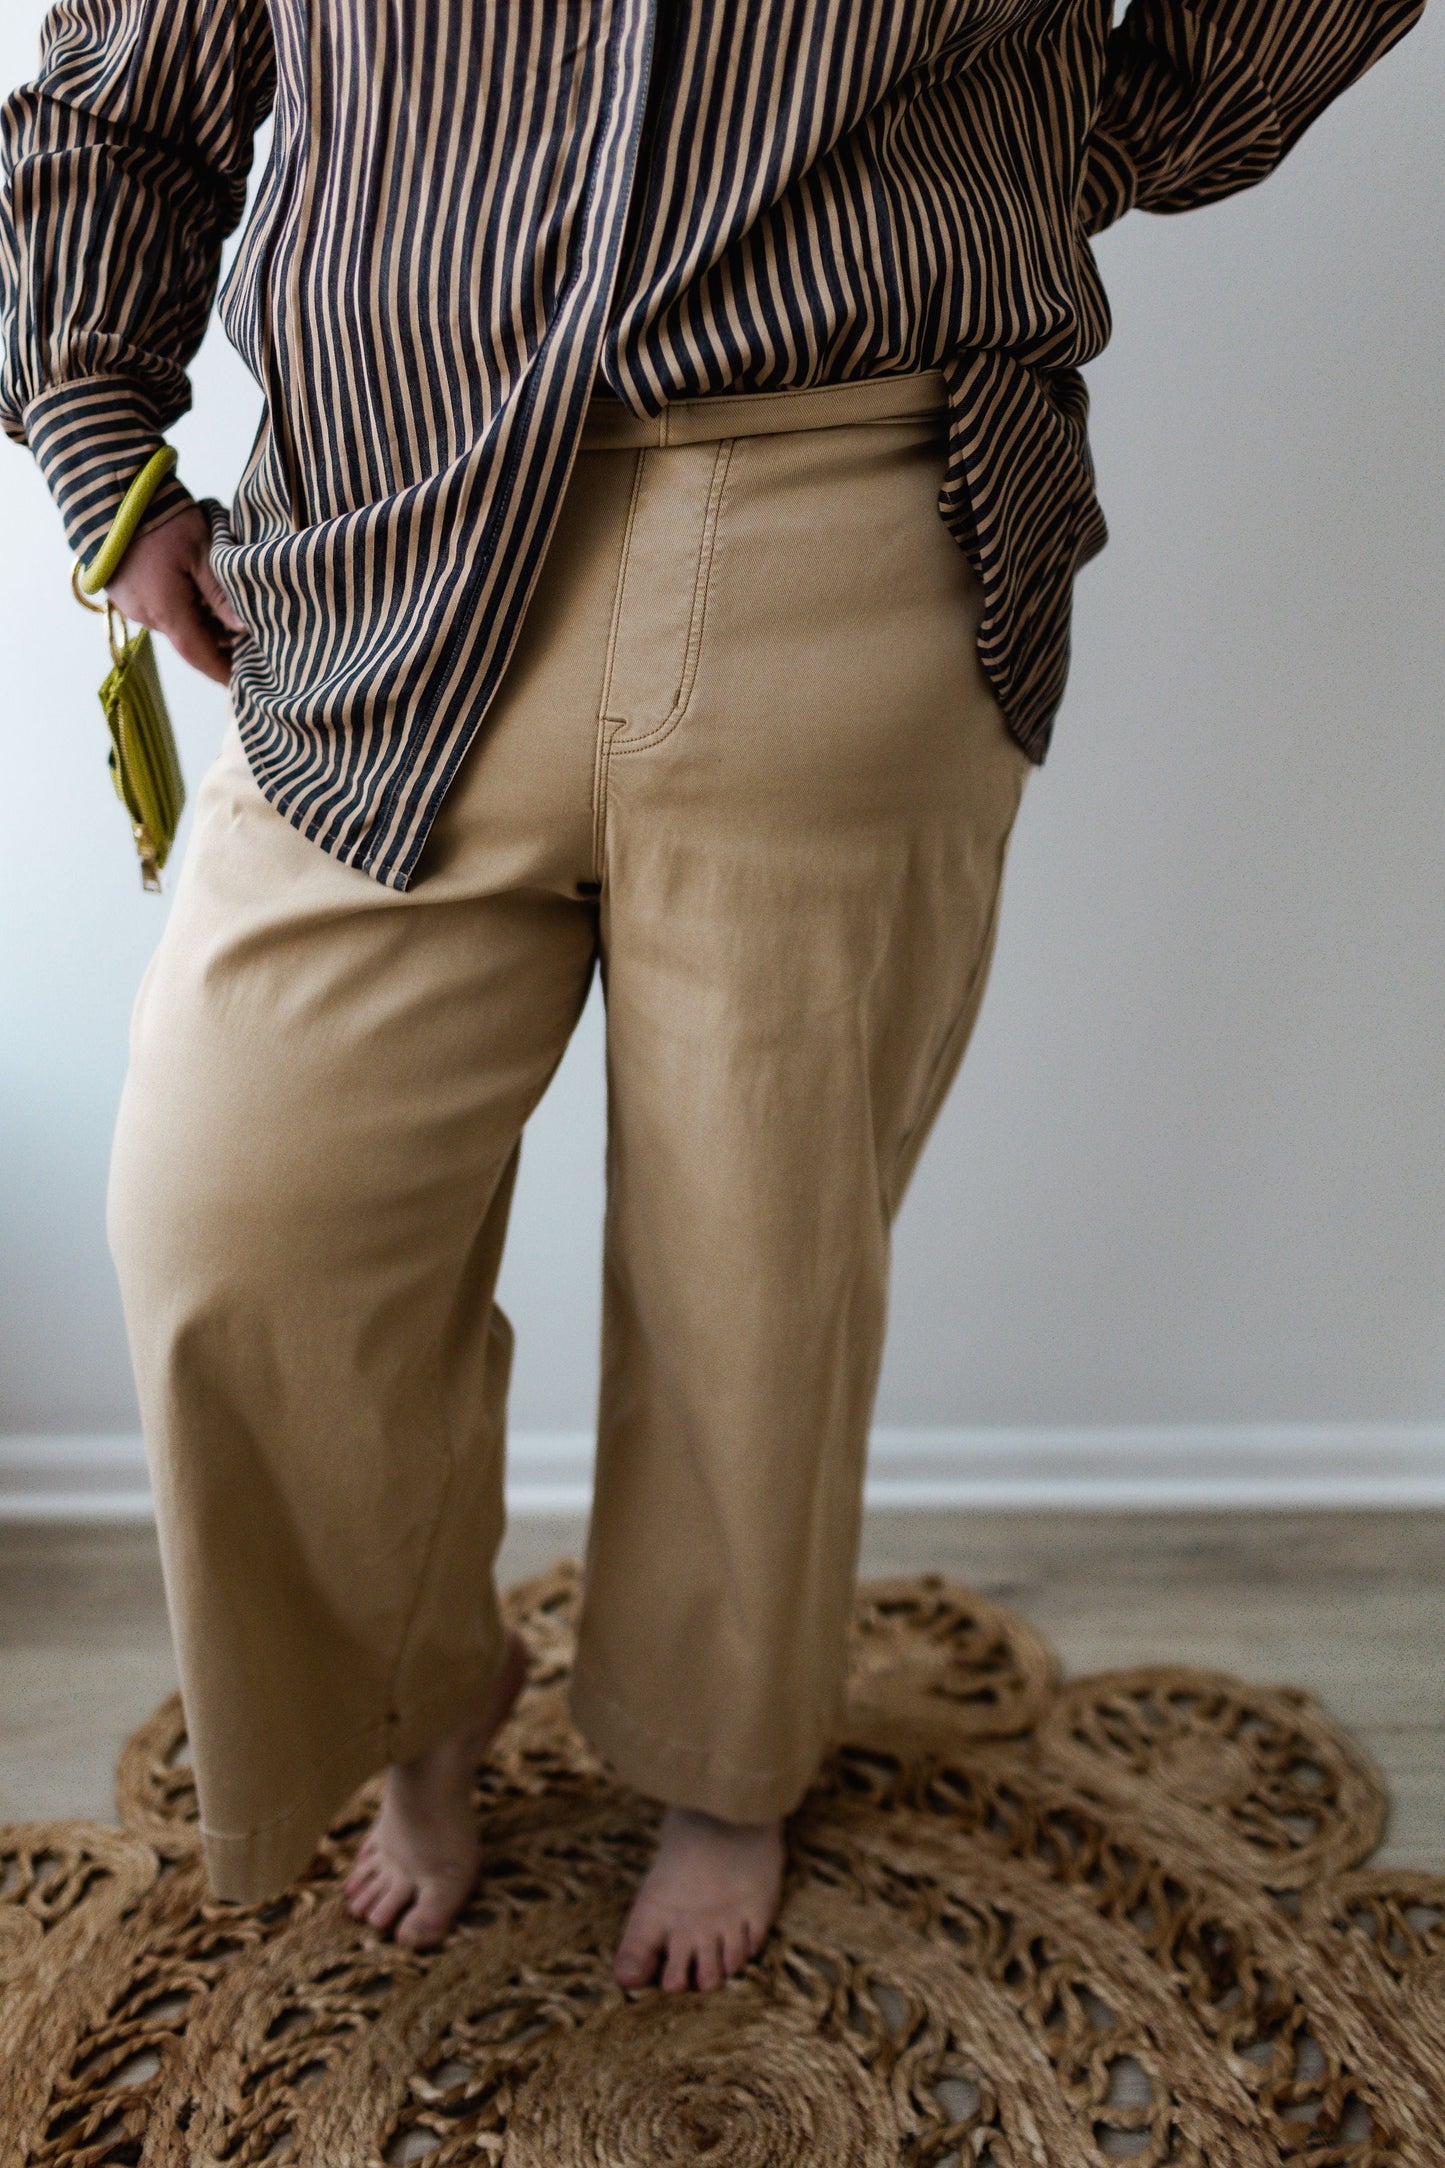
(1025, 1922)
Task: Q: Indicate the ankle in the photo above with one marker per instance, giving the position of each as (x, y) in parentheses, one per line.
(443, 1766)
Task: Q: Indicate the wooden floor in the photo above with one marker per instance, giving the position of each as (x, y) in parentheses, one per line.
(1351, 1606)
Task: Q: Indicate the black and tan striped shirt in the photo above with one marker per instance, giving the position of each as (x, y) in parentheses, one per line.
(474, 211)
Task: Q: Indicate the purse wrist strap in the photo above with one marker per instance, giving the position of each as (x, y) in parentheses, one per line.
(90, 579)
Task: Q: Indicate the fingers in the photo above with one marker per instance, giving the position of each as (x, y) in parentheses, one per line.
(213, 594)
(193, 640)
(167, 584)
(156, 578)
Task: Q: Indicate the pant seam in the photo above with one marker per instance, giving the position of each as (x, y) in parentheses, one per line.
(697, 619)
(614, 633)
(942, 1066)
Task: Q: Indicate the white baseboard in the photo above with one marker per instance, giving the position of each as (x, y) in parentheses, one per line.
(1224, 1467)
(85, 1477)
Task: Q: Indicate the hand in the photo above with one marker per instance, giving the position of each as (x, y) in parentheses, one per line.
(165, 581)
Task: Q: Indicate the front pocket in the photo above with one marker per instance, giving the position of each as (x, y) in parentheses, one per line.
(660, 610)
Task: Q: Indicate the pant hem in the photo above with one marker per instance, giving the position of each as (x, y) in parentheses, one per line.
(251, 1866)
(681, 1774)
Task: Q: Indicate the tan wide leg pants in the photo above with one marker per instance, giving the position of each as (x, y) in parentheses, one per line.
(744, 760)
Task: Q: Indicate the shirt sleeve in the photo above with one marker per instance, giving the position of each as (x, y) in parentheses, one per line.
(124, 168)
(1203, 97)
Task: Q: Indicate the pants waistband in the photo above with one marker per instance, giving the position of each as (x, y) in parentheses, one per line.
(611, 426)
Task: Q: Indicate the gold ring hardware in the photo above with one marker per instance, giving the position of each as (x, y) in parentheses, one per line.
(99, 608)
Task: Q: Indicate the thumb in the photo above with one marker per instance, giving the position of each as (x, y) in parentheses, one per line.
(212, 593)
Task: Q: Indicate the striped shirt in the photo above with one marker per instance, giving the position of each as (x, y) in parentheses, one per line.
(474, 213)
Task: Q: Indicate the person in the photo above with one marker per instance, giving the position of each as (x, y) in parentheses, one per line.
(655, 557)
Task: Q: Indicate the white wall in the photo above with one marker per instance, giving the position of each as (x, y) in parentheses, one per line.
(1192, 1172)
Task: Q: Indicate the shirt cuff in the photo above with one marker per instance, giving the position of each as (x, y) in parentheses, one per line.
(91, 437)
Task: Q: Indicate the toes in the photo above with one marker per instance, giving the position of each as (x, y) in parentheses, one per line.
(709, 1961)
(642, 1947)
(635, 1964)
(364, 1865)
(436, 1906)
(736, 1946)
(643, 1943)
(389, 1900)
(363, 1878)
(678, 1968)
(360, 1889)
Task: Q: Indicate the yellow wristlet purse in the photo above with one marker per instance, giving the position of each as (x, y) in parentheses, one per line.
(144, 764)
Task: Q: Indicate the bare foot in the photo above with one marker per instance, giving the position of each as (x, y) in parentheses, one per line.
(418, 1861)
(706, 1902)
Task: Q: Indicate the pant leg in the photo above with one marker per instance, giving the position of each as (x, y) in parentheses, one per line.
(804, 844)
(312, 1169)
